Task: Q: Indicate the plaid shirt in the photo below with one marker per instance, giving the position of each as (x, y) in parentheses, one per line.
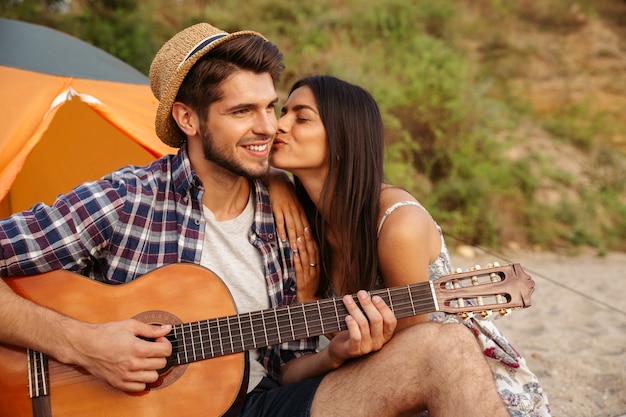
(133, 221)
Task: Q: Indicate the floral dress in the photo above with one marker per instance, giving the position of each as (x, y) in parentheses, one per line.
(519, 388)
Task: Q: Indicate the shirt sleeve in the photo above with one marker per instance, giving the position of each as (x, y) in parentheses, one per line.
(69, 234)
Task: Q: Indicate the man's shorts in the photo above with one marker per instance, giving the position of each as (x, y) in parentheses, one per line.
(269, 399)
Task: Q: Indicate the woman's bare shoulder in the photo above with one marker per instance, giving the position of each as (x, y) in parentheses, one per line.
(391, 194)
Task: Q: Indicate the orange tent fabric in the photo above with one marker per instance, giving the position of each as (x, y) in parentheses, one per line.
(65, 122)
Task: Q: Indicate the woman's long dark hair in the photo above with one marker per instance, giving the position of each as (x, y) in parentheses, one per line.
(351, 190)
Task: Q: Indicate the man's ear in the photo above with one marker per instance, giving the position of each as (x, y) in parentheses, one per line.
(186, 118)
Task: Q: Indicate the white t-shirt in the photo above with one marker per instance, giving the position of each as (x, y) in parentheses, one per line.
(229, 254)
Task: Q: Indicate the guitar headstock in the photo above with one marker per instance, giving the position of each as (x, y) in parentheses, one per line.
(494, 288)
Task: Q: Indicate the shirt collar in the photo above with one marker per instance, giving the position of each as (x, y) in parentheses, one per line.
(184, 178)
(263, 217)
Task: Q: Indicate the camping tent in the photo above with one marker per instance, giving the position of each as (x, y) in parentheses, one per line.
(69, 113)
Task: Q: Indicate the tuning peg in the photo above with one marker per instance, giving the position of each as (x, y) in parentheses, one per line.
(485, 313)
(505, 311)
(466, 316)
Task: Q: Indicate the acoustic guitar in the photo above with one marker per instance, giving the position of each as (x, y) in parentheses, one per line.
(206, 326)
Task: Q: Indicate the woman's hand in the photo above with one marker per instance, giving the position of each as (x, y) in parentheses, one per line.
(288, 213)
(306, 261)
(369, 328)
(292, 224)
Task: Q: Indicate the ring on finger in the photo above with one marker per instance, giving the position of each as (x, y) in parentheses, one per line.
(312, 265)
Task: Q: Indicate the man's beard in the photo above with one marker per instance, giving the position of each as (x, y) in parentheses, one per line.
(228, 162)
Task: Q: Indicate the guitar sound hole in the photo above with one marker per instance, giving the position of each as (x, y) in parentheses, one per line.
(172, 371)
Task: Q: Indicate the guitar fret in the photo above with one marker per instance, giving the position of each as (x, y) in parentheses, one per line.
(408, 288)
(257, 328)
(390, 300)
(182, 344)
(297, 317)
(219, 335)
(319, 310)
(277, 326)
(193, 341)
(229, 343)
(210, 334)
(306, 323)
(201, 338)
(284, 325)
(207, 340)
(315, 322)
(250, 329)
(230, 334)
(237, 344)
(178, 343)
(243, 342)
(185, 333)
(198, 344)
(432, 289)
(293, 335)
(337, 314)
(264, 329)
(185, 344)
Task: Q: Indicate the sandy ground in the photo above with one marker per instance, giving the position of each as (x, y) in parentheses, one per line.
(574, 334)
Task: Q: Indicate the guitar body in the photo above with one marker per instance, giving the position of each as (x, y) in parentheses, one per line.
(169, 295)
(205, 326)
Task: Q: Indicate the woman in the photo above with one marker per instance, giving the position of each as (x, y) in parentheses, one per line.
(369, 234)
(337, 163)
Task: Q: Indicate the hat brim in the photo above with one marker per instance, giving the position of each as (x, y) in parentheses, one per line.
(166, 128)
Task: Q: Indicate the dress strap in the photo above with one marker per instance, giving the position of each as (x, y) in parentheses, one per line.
(391, 209)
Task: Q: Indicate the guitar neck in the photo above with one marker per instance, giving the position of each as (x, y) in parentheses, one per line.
(206, 339)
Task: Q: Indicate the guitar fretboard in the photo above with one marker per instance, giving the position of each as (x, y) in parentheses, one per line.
(211, 338)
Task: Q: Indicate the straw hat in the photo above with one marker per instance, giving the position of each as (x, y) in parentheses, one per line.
(170, 67)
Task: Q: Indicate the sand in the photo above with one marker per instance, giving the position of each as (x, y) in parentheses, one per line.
(574, 334)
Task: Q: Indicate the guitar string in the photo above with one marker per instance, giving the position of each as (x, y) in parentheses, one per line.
(291, 315)
(62, 374)
(199, 333)
(299, 326)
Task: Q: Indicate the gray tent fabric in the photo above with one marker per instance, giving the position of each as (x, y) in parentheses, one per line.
(40, 49)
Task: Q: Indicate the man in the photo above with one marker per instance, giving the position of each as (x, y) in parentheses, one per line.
(207, 206)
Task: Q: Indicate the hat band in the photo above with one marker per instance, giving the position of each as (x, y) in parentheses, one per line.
(201, 45)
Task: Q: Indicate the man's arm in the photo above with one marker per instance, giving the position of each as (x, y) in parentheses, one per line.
(111, 351)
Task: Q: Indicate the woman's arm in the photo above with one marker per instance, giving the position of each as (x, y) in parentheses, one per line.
(409, 241)
(288, 212)
(368, 331)
(291, 222)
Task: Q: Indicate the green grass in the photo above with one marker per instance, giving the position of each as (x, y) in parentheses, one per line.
(442, 72)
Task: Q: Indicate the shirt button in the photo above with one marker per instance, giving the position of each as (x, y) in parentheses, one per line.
(270, 236)
(197, 222)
